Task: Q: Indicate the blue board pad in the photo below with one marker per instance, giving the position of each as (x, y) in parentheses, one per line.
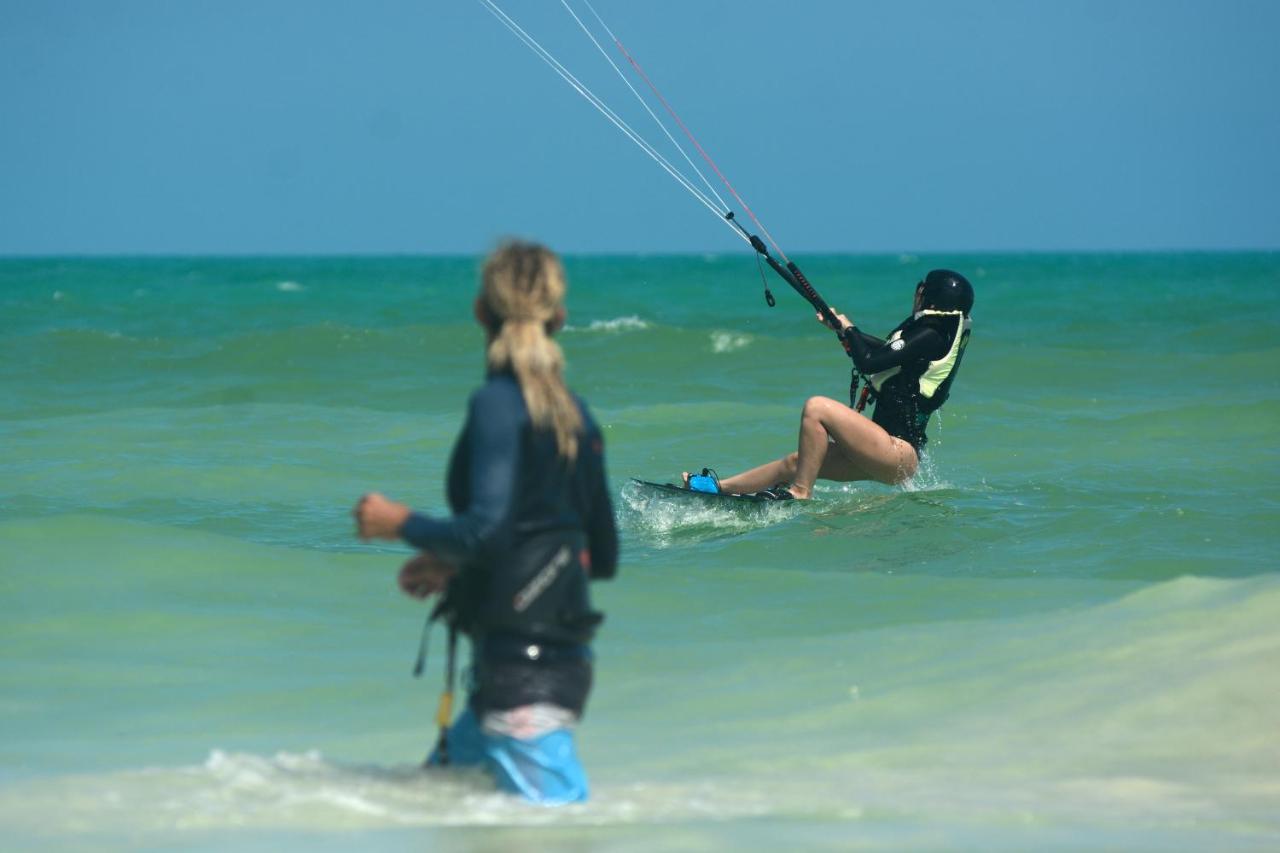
(685, 492)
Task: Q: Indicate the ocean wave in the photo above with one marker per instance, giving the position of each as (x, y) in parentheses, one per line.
(722, 342)
(629, 323)
(289, 287)
(69, 339)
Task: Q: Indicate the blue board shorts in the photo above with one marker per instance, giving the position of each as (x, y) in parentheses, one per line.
(542, 769)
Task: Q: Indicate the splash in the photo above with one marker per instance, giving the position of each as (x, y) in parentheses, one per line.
(928, 477)
(667, 520)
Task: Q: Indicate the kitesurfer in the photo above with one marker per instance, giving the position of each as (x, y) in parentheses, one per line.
(910, 374)
(531, 524)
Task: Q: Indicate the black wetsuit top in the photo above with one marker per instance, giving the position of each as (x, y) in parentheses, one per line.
(528, 530)
(901, 410)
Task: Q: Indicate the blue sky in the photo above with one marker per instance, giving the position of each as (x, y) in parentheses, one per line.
(284, 126)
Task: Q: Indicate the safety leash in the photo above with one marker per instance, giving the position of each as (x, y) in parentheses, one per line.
(444, 713)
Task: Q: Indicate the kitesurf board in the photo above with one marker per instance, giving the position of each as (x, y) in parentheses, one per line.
(684, 492)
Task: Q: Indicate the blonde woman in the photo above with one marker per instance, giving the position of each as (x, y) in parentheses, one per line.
(531, 524)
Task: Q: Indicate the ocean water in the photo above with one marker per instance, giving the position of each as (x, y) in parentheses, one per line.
(1064, 634)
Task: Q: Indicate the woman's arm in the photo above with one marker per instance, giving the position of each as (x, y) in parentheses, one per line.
(847, 329)
(492, 434)
(870, 341)
(872, 355)
(491, 439)
(602, 532)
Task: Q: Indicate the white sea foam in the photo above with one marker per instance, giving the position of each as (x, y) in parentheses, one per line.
(666, 519)
(928, 477)
(630, 323)
(306, 792)
(289, 287)
(164, 805)
(722, 342)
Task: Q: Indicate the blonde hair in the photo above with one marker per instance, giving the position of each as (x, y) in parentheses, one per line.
(522, 285)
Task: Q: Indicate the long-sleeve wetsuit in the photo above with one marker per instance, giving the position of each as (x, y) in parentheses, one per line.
(528, 530)
(901, 410)
(507, 484)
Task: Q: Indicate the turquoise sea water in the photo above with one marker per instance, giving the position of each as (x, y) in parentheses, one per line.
(1065, 633)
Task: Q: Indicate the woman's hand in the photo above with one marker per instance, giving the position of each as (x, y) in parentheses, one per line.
(844, 321)
(425, 575)
(378, 517)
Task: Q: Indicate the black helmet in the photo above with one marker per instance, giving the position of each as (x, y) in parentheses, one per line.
(944, 290)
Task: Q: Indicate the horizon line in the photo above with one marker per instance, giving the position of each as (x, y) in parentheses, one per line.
(610, 253)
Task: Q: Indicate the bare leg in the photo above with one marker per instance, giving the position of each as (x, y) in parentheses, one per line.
(836, 443)
(869, 453)
(762, 477)
(813, 444)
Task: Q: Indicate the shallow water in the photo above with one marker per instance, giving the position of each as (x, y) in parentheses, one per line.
(1062, 634)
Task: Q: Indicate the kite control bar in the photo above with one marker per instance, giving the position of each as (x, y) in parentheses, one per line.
(792, 275)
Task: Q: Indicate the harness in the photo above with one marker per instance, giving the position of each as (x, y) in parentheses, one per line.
(937, 372)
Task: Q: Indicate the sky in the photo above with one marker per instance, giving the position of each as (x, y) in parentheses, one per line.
(265, 127)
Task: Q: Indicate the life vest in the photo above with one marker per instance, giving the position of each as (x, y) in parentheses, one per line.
(934, 383)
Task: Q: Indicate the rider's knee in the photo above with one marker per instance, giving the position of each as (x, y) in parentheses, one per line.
(814, 407)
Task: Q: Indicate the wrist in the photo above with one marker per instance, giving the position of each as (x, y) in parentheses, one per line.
(398, 518)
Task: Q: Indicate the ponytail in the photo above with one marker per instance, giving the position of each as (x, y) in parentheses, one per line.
(523, 286)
